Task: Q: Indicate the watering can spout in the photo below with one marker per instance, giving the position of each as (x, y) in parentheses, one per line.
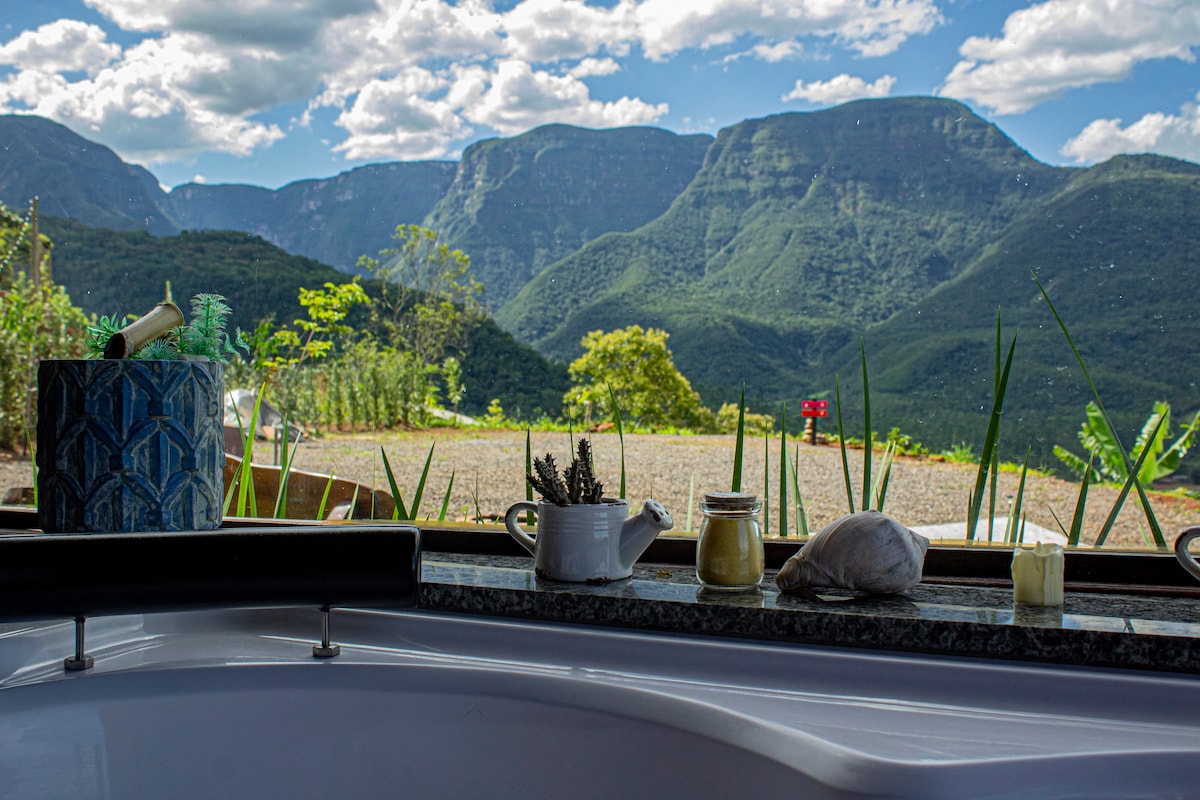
(640, 530)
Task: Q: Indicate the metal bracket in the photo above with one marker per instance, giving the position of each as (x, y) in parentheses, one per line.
(325, 649)
(81, 660)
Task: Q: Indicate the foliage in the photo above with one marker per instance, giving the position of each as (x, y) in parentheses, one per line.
(1100, 442)
(35, 322)
(576, 484)
(204, 335)
(755, 424)
(636, 366)
(428, 297)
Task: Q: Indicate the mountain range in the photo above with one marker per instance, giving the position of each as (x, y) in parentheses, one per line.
(774, 254)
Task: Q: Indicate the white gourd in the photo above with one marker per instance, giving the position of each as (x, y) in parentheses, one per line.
(866, 552)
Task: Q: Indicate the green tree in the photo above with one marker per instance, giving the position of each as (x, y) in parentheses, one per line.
(429, 300)
(649, 389)
(37, 320)
(1100, 441)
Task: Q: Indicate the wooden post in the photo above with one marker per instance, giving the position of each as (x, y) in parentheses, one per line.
(810, 430)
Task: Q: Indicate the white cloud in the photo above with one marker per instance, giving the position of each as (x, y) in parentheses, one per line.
(1058, 45)
(840, 89)
(770, 52)
(868, 27)
(65, 45)
(520, 98)
(594, 66)
(1165, 134)
(550, 30)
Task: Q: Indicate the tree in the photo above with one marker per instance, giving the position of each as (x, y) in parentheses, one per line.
(429, 300)
(637, 366)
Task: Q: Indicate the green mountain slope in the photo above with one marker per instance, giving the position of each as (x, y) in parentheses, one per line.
(107, 272)
(76, 178)
(798, 232)
(334, 220)
(1114, 250)
(519, 204)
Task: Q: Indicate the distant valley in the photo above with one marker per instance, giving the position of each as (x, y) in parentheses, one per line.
(768, 252)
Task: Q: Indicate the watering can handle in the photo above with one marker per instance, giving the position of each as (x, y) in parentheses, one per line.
(1186, 559)
(514, 529)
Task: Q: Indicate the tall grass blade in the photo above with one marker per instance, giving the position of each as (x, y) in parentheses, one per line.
(989, 443)
(612, 396)
(879, 490)
(420, 490)
(446, 499)
(766, 484)
(866, 495)
(246, 494)
(783, 464)
(801, 514)
(285, 473)
(324, 498)
(736, 485)
(837, 395)
(1130, 482)
(1080, 505)
(691, 501)
(1018, 504)
(530, 515)
(401, 511)
(1151, 520)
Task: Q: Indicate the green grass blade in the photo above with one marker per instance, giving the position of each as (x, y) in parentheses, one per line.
(446, 499)
(783, 463)
(325, 498)
(691, 501)
(866, 495)
(401, 511)
(612, 396)
(353, 503)
(1080, 505)
(989, 443)
(1151, 519)
(1129, 483)
(766, 484)
(736, 485)
(285, 473)
(801, 514)
(1018, 504)
(420, 491)
(837, 395)
(885, 475)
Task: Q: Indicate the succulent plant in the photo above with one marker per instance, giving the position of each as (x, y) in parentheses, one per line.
(575, 485)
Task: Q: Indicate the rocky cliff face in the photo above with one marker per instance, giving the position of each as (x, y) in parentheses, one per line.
(520, 204)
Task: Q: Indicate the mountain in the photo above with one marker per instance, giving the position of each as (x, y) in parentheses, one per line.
(76, 178)
(1114, 250)
(117, 272)
(798, 231)
(333, 220)
(517, 205)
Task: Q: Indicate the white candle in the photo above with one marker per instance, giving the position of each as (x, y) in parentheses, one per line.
(1038, 575)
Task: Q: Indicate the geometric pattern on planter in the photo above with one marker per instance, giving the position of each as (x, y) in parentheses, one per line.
(126, 445)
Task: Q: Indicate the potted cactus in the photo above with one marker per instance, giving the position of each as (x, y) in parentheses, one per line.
(131, 439)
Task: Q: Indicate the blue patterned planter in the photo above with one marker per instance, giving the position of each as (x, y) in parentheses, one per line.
(129, 445)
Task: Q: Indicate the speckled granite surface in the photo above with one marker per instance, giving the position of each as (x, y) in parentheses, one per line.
(1108, 630)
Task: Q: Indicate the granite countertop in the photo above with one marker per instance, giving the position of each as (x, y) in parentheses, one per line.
(1106, 630)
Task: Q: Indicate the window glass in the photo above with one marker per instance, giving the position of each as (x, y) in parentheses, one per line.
(798, 194)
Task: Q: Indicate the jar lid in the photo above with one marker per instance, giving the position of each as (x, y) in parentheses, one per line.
(730, 501)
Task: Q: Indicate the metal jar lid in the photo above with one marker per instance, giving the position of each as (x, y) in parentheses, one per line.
(730, 501)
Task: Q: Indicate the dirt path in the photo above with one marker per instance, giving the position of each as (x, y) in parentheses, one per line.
(488, 469)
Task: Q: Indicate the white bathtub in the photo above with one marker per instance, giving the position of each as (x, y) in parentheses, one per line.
(233, 705)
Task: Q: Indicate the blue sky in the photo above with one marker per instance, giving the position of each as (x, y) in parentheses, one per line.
(271, 91)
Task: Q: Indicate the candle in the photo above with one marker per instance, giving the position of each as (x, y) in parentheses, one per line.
(1038, 575)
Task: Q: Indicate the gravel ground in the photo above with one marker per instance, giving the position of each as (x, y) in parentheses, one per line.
(489, 466)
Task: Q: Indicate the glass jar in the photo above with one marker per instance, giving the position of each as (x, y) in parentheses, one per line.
(729, 549)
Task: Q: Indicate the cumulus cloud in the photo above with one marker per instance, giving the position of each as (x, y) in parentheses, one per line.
(519, 98)
(65, 45)
(401, 78)
(868, 27)
(1164, 134)
(840, 89)
(1058, 45)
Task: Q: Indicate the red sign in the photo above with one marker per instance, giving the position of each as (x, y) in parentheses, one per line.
(814, 408)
